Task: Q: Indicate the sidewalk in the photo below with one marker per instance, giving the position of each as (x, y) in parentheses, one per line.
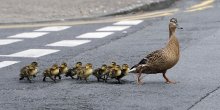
(21, 11)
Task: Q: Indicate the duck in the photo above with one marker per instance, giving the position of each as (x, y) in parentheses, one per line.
(85, 72)
(161, 60)
(73, 71)
(109, 70)
(125, 69)
(29, 71)
(124, 72)
(51, 72)
(63, 70)
(113, 65)
(100, 73)
(115, 72)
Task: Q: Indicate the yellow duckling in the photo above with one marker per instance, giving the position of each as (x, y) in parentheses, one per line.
(124, 71)
(113, 65)
(63, 70)
(110, 68)
(85, 72)
(51, 72)
(116, 71)
(100, 73)
(29, 71)
(73, 71)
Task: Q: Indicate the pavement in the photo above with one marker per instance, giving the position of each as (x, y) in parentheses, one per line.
(197, 72)
(23, 11)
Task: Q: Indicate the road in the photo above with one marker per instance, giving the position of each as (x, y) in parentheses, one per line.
(197, 72)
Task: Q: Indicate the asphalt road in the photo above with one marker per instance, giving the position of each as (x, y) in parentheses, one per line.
(197, 72)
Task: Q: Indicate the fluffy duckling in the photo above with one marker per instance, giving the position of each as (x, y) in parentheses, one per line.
(85, 72)
(113, 65)
(51, 72)
(124, 71)
(63, 70)
(100, 73)
(110, 68)
(29, 71)
(73, 71)
(115, 72)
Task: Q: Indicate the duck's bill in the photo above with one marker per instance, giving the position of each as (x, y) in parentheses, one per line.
(178, 27)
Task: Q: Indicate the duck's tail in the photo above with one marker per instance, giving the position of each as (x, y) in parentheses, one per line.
(133, 69)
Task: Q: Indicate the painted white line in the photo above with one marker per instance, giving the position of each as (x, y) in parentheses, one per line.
(7, 63)
(29, 35)
(128, 22)
(69, 43)
(32, 53)
(95, 35)
(113, 28)
(54, 28)
(9, 41)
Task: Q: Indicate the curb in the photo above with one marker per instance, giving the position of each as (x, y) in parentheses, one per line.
(144, 7)
(127, 10)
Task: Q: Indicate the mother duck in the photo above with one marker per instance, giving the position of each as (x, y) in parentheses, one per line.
(160, 61)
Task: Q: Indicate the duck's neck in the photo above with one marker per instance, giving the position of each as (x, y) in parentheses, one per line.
(173, 43)
(171, 32)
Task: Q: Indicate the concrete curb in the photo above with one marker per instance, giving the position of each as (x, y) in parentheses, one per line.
(145, 7)
(127, 10)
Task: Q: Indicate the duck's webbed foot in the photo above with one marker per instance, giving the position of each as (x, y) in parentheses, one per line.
(139, 82)
(170, 82)
(167, 80)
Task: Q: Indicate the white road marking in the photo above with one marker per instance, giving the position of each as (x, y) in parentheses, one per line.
(9, 41)
(7, 63)
(54, 28)
(32, 53)
(113, 28)
(29, 35)
(69, 43)
(128, 22)
(95, 35)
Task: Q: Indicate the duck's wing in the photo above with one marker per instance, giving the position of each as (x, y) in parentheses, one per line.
(150, 58)
(154, 57)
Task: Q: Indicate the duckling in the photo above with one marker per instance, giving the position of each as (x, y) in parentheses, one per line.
(51, 72)
(29, 71)
(63, 70)
(73, 71)
(124, 71)
(113, 73)
(100, 73)
(113, 65)
(85, 72)
(160, 61)
(110, 68)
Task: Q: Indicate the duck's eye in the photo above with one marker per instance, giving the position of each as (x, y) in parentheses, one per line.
(174, 20)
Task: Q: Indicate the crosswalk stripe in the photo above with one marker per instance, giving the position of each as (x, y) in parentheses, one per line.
(53, 28)
(113, 28)
(95, 35)
(69, 43)
(7, 63)
(128, 22)
(32, 53)
(9, 41)
(28, 35)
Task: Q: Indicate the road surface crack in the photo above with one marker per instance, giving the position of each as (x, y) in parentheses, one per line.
(202, 98)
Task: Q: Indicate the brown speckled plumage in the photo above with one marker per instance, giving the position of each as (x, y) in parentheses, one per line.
(161, 60)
